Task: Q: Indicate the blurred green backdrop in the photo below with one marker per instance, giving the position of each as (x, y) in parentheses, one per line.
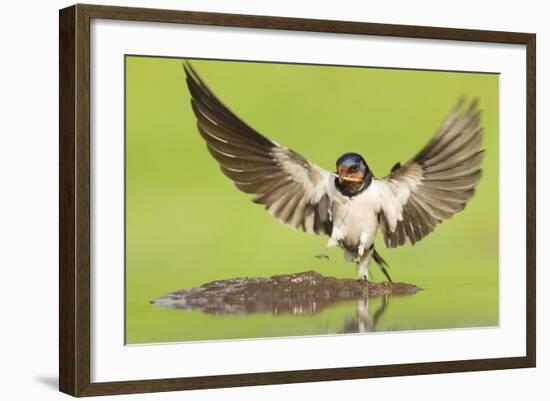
(186, 224)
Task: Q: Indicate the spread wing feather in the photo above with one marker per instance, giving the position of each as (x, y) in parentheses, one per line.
(436, 183)
(293, 190)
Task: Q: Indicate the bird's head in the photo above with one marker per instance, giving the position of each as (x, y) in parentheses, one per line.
(353, 173)
(351, 167)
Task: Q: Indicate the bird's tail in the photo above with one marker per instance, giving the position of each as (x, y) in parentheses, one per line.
(382, 264)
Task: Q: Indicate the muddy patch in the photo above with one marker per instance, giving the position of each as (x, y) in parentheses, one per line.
(304, 293)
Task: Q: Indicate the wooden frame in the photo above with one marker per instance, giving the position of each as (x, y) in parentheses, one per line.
(74, 199)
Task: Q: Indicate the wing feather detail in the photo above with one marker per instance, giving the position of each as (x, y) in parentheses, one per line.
(434, 185)
(293, 190)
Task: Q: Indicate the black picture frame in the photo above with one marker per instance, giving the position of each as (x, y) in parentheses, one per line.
(74, 199)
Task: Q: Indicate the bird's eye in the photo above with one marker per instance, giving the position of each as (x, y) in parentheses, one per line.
(353, 168)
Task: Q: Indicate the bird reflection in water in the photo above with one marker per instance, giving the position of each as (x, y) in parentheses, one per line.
(366, 318)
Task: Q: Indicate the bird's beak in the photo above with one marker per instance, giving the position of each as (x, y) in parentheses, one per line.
(344, 175)
(348, 178)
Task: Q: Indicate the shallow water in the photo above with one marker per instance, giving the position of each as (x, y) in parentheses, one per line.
(440, 308)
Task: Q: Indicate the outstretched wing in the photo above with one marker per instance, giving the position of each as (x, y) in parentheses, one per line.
(436, 183)
(293, 190)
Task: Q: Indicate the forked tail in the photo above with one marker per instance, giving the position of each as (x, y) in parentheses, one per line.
(382, 264)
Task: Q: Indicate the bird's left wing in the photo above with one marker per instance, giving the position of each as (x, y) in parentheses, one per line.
(435, 184)
(293, 190)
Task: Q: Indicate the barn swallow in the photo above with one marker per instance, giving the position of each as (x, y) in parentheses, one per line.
(350, 204)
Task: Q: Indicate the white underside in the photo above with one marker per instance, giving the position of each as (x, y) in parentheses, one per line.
(355, 224)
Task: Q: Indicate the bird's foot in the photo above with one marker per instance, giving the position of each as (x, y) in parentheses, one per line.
(323, 255)
(363, 280)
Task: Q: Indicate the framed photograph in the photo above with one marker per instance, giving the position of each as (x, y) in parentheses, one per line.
(251, 200)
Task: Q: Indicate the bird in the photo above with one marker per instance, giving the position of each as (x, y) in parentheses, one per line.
(349, 204)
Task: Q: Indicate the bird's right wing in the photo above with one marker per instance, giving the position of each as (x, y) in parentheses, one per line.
(293, 190)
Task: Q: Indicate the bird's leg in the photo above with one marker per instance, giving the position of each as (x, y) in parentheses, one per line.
(362, 245)
(330, 244)
(363, 267)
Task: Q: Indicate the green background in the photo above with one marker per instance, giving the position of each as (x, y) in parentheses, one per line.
(186, 224)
